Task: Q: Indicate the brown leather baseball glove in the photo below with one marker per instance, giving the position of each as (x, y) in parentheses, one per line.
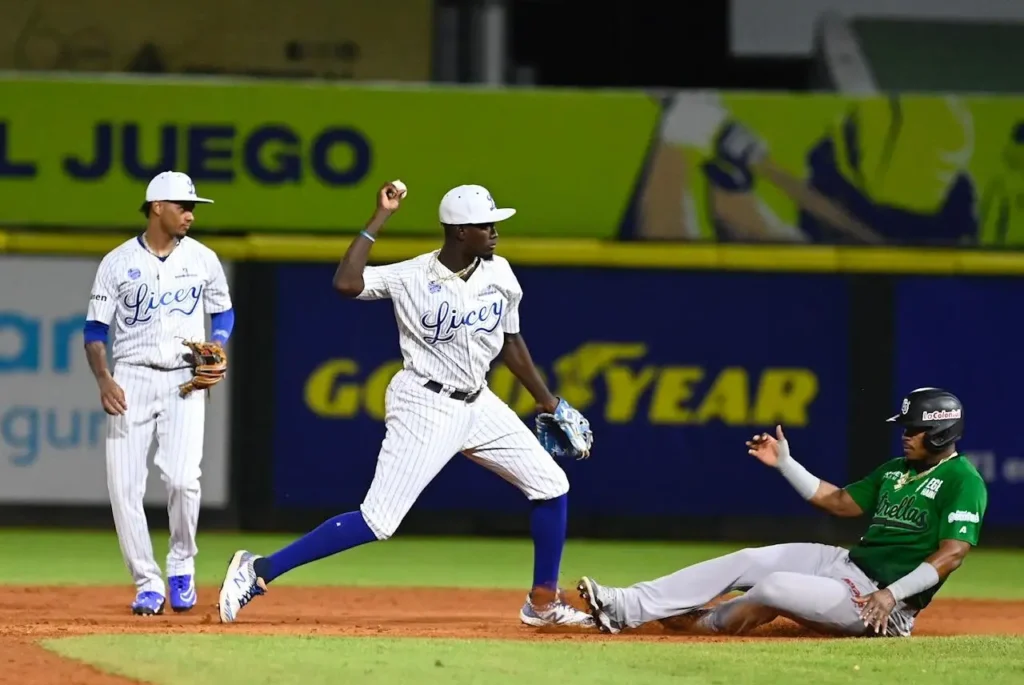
(209, 365)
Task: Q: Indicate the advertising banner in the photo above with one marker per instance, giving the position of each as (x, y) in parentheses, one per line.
(905, 169)
(52, 426)
(675, 371)
(692, 166)
(302, 157)
(969, 344)
(298, 39)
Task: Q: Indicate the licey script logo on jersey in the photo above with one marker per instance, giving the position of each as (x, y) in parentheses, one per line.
(143, 303)
(903, 514)
(442, 324)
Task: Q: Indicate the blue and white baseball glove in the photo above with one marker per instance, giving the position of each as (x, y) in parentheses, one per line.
(565, 433)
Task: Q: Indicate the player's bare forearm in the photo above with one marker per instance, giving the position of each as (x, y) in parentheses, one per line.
(949, 556)
(517, 358)
(348, 277)
(661, 203)
(96, 354)
(835, 501)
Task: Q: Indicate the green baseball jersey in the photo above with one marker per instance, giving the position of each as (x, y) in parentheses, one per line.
(911, 512)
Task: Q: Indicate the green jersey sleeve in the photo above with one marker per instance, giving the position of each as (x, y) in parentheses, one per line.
(962, 508)
(865, 491)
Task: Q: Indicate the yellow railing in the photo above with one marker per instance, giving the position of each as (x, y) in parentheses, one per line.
(572, 253)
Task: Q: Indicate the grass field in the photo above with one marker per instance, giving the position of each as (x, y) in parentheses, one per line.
(273, 647)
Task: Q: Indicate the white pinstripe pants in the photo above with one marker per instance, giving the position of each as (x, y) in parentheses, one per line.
(155, 414)
(424, 430)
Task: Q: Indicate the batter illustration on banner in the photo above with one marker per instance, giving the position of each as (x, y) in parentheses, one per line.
(926, 512)
(880, 170)
(151, 294)
(457, 308)
(1002, 201)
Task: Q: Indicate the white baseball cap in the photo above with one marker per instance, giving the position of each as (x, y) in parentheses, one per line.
(173, 186)
(471, 204)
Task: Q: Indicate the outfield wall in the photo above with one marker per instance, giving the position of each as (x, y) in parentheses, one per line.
(719, 343)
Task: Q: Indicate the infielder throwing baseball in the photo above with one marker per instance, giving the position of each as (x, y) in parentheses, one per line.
(457, 308)
(154, 291)
(926, 510)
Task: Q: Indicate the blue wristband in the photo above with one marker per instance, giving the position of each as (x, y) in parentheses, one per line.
(368, 236)
(222, 324)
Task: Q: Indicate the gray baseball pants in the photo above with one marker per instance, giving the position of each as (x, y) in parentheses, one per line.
(809, 583)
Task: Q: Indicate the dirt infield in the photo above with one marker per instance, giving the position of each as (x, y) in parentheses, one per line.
(31, 613)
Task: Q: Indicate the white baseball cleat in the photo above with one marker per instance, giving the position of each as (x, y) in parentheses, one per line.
(240, 585)
(556, 613)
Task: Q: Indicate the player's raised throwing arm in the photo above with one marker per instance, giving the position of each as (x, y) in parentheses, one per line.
(348, 278)
(774, 452)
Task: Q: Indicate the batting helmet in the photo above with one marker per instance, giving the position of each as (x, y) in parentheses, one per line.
(935, 412)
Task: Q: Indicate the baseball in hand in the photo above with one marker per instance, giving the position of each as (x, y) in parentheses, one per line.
(400, 187)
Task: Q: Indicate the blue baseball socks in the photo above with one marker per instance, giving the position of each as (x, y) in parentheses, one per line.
(330, 537)
(547, 527)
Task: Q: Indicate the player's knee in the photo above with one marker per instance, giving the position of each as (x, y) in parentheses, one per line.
(757, 561)
(182, 485)
(774, 589)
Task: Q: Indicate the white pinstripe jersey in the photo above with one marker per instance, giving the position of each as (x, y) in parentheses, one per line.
(152, 304)
(449, 330)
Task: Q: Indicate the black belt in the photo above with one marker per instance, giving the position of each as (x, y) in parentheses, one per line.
(456, 394)
(154, 367)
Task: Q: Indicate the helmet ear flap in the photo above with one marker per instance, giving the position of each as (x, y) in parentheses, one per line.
(940, 440)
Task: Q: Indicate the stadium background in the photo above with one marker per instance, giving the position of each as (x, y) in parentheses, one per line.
(601, 179)
(670, 242)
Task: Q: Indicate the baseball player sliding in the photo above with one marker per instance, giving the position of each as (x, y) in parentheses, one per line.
(457, 308)
(154, 291)
(926, 510)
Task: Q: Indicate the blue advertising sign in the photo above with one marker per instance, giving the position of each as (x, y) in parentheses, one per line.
(675, 371)
(964, 334)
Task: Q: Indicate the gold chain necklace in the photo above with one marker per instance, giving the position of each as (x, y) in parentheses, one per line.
(905, 478)
(150, 250)
(457, 274)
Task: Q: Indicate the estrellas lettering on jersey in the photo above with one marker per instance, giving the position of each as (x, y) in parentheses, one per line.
(903, 514)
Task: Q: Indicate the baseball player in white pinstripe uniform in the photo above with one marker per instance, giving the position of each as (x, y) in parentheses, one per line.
(457, 308)
(154, 291)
